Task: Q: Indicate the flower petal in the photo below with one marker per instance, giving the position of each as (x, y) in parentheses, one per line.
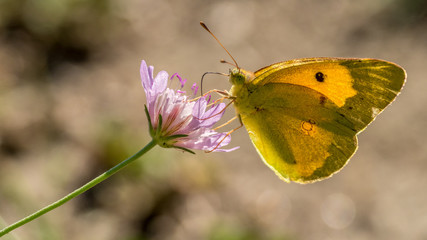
(147, 82)
(206, 139)
(160, 82)
(226, 150)
(199, 108)
(213, 115)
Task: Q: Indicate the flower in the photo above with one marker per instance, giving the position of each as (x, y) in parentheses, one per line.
(177, 122)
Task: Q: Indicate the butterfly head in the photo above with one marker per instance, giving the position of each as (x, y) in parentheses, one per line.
(239, 76)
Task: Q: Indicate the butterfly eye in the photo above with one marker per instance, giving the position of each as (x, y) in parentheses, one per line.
(320, 77)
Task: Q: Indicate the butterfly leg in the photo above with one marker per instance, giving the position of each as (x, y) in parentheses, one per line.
(225, 124)
(223, 93)
(228, 134)
(217, 101)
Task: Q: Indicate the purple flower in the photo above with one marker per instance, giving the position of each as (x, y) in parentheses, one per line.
(176, 121)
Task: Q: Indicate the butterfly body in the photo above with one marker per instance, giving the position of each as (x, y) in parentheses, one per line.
(303, 115)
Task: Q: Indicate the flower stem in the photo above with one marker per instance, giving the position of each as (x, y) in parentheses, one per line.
(78, 191)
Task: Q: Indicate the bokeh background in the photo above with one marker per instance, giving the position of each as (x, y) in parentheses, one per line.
(71, 107)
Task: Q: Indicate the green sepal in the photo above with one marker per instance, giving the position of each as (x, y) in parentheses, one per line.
(159, 125)
(150, 126)
(185, 149)
(175, 137)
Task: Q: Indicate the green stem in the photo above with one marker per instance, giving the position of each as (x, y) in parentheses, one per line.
(78, 191)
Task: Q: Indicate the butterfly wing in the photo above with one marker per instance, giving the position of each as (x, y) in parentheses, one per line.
(361, 88)
(303, 115)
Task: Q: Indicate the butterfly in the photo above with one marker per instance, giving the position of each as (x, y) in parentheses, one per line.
(303, 116)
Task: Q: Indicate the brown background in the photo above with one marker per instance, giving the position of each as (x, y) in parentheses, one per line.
(71, 106)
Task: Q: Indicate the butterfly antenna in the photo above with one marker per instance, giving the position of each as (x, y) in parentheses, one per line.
(209, 31)
(223, 61)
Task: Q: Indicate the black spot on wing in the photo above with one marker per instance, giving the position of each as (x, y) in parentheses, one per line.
(320, 77)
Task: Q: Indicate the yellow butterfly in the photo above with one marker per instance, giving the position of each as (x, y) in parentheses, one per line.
(303, 115)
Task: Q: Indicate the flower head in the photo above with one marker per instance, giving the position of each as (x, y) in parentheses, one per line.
(177, 122)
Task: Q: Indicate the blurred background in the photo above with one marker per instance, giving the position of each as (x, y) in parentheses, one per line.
(71, 107)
